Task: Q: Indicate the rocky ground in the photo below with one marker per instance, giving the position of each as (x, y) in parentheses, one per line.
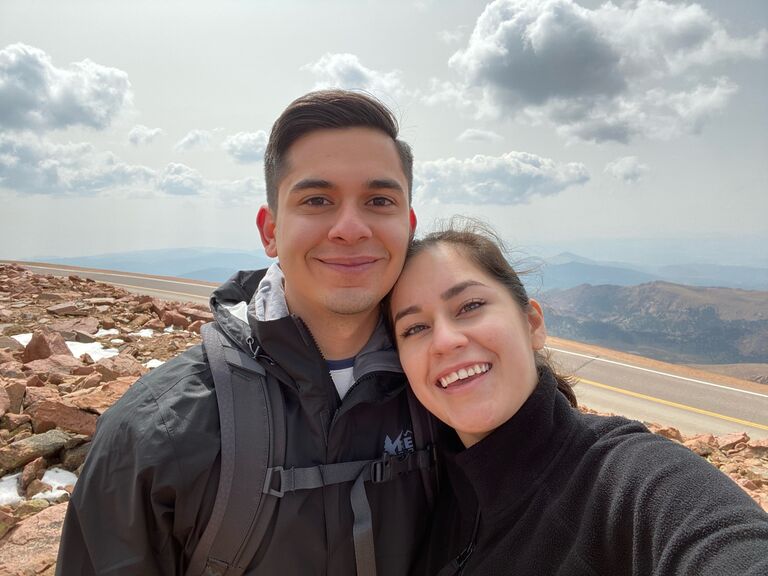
(69, 348)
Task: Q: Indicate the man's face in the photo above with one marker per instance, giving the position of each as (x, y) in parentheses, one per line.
(343, 221)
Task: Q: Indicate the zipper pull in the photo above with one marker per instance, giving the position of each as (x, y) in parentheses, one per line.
(257, 353)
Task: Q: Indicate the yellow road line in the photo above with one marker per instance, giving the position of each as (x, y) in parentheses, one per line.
(674, 404)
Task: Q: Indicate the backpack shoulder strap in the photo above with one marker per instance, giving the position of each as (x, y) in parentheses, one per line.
(247, 419)
(424, 436)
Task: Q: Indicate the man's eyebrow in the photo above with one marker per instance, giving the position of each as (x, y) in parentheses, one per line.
(384, 184)
(310, 184)
(447, 295)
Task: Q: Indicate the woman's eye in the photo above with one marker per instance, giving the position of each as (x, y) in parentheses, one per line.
(471, 305)
(411, 330)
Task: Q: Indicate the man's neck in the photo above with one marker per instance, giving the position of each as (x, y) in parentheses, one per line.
(342, 336)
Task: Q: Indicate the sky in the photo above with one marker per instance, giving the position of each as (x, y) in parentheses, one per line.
(633, 131)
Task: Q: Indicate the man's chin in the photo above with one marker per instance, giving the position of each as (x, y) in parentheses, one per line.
(352, 302)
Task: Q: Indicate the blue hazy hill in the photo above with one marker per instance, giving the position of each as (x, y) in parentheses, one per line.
(209, 264)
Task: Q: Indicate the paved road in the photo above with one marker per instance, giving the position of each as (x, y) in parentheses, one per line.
(693, 406)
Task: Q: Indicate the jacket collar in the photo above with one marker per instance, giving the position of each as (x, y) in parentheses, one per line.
(509, 464)
(284, 337)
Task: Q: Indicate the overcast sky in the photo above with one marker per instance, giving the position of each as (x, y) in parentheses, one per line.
(633, 131)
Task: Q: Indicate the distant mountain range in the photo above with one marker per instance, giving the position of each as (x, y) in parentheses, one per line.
(209, 264)
(666, 321)
(568, 270)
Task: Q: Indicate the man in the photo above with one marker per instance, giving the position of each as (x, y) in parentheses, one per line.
(339, 220)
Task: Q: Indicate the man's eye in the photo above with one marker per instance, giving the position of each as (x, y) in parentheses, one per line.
(316, 201)
(411, 330)
(381, 201)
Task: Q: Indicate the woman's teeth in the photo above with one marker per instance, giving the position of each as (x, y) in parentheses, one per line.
(463, 373)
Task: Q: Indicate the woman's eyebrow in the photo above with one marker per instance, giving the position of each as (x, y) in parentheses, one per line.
(447, 295)
(459, 288)
(405, 312)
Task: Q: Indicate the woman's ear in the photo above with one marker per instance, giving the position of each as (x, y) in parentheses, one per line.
(265, 222)
(537, 328)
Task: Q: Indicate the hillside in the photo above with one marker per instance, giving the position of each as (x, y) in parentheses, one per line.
(665, 321)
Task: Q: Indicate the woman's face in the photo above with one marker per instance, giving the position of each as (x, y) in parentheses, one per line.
(465, 344)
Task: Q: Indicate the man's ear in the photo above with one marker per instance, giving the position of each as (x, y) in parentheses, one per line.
(265, 222)
(412, 217)
(538, 329)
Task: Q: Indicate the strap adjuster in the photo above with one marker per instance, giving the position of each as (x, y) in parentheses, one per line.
(381, 470)
(280, 491)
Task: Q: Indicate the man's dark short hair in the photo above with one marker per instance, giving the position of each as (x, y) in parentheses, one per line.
(323, 110)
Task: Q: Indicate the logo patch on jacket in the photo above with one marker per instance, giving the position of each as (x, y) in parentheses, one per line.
(402, 443)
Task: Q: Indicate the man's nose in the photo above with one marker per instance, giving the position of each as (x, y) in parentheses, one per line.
(351, 225)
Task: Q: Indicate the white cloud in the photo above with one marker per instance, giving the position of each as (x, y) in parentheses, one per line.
(246, 147)
(346, 71)
(36, 95)
(453, 36)
(477, 135)
(602, 74)
(32, 165)
(180, 180)
(195, 139)
(140, 134)
(627, 169)
(512, 178)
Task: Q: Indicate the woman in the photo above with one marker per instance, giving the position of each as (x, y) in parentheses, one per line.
(535, 487)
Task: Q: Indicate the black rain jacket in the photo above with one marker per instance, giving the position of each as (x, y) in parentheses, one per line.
(148, 485)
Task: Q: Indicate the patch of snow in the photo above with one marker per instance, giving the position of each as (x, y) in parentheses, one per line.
(168, 330)
(102, 332)
(93, 349)
(154, 363)
(144, 333)
(9, 489)
(56, 478)
(117, 341)
(23, 339)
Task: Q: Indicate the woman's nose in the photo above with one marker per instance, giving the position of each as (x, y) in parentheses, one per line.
(446, 337)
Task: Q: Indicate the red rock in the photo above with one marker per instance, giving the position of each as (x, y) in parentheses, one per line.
(158, 307)
(8, 343)
(7, 521)
(758, 447)
(34, 380)
(49, 414)
(100, 398)
(32, 471)
(173, 318)
(37, 394)
(19, 452)
(83, 370)
(32, 546)
(5, 401)
(86, 359)
(88, 325)
(13, 421)
(66, 309)
(58, 364)
(120, 365)
(734, 441)
(12, 369)
(107, 323)
(666, 431)
(15, 390)
(44, 344)
(700, 447)
(196, 326)
(90, 381)
(37, 486)
(155, 324)
(195, 314)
